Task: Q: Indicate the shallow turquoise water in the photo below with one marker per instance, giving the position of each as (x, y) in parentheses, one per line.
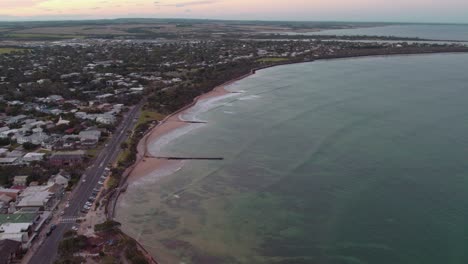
(365, 161)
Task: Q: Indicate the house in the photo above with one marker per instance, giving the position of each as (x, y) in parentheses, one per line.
(49, 143)
(42, 197)
(56, 112)
(89, 138)
(3, 151)
(71, 158)
(104, 107)
(106, 119)
(54, 98)
(15, 231)
(9, 161)
(62, 121)
(104, 96)
(15, 119)
(61, 179)
(137, 89)
(18, 227)
(36, 138)
(33, 156)
(8, 133)
(10, 250)
(68, 142)
(15, 154)
(13, 193)
(20, 180)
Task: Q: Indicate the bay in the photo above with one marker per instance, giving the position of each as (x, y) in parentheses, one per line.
(341, 161)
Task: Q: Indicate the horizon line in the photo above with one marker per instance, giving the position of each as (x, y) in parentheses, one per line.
(235, 20)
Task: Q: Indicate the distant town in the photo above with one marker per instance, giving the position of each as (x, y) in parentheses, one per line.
(72, 112)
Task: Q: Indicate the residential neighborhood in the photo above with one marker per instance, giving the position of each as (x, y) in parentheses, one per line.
(71, 117)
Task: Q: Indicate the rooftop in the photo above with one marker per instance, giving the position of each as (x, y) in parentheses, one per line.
(11, 228)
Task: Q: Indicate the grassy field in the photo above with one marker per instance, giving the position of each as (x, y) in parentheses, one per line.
(148, 116)
(41, 36)
(9, 50)
(145, 117)
(272, 59)
(93, 152)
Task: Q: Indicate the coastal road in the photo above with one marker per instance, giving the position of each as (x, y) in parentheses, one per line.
(47, 252)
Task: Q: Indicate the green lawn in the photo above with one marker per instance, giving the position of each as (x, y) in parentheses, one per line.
(272, 59)
(94, 151)
(148, 116)
(145, 116)
(41, 36)
(9, 50)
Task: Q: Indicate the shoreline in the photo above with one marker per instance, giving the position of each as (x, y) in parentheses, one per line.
(145, 166)
(142, 168)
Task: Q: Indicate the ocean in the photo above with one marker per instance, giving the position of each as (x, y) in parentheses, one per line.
(343, 161)
(430, 31)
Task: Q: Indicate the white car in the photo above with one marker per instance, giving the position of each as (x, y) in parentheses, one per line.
(75, 228)
(100, 183)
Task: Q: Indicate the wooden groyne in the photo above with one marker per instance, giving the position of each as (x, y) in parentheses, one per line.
(184, 158)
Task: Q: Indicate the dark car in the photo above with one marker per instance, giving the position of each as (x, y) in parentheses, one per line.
(52, 227)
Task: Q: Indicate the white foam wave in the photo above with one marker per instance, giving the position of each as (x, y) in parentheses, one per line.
(154, 176)
(204, 106)
(155, 147)
(249, 97)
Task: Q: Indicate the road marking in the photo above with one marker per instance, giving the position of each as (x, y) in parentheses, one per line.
(68, 220)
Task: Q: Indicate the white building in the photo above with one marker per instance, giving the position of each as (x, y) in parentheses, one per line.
(106, 119)
(33, 156)
(42, 197)
(20, 180)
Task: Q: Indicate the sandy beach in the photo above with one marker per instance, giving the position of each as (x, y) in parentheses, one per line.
(146, 165)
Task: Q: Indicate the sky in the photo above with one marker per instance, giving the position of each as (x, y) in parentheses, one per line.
(437, 11)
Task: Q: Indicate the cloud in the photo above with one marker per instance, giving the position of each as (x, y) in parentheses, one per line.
(186, 4)
(19, 3)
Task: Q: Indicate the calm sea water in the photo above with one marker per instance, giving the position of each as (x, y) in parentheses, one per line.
(433, 32)
(343, 161)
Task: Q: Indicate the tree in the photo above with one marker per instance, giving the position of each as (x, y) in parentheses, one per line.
(29, 146)
(69, 246)
(124, 145)
(4, 141)
(106, 226)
